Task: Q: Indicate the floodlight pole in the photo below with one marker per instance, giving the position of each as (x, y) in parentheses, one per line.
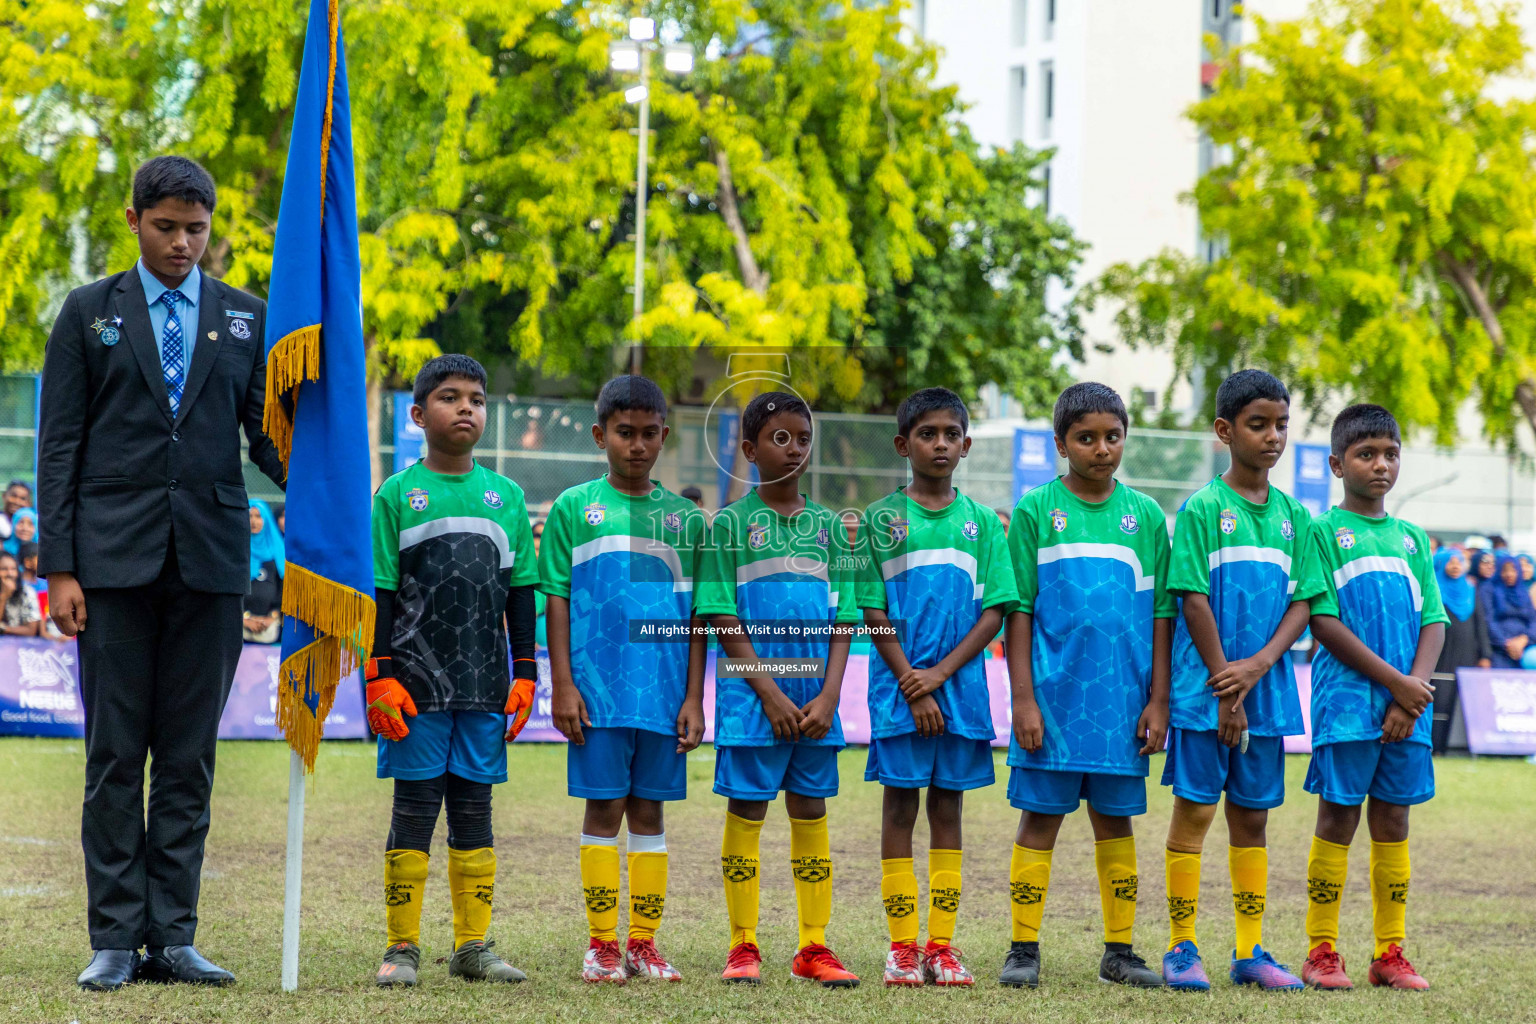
(641, 187)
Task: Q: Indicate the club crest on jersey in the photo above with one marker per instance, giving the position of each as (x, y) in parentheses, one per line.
(492, 499)
(594, 514)
(1287, 530)
(757, 536)
(1128, 524)
(417, 498)
(1345, 536)
(970, 530)
(1409, 546)
(1058, 520)
(673, 521)
(1228, 521)
(823, 537)
(899, 530)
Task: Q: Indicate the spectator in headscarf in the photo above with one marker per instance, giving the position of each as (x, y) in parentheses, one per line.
(23, 531)
(1466, 639)
(1511, 615)
(263, 621)
(1483, 565)
(19, 613)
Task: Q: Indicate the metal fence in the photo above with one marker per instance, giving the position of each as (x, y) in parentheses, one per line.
(546, 446)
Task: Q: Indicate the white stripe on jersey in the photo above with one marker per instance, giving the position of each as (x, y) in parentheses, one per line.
(800, 565)
(1250, 553)
(461, 524)
(1087, 549)
(962, 560)
(681, 584)
(1379, 563)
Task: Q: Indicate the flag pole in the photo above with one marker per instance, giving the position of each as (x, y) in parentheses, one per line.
(294, 880)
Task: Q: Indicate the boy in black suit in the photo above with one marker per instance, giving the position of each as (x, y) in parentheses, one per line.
(145, 537)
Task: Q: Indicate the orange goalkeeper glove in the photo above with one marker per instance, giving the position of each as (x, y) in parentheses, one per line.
(519, 706)
(387, 699)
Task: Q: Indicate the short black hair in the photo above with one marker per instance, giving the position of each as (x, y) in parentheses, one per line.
(172, 177)
(692, 493)
(929, 400)
(1084, 399)
(1246, 386)
(431, 376)
(767, 405)
(1359, 422)
(26, 551)
(19, 483)
(630, 393)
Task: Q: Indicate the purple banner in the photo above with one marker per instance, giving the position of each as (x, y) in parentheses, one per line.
(40, 694)
(1499, 706)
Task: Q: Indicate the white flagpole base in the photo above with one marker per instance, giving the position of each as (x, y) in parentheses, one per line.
(295, 873)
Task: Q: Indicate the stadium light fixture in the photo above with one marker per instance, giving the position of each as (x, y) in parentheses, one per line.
(633, 55)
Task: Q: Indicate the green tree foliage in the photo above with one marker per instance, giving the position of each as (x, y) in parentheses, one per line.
(1377, 217)
(812, 190)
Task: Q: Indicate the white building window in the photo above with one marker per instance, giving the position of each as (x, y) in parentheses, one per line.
(1050, 19)
(920, 16)
(1045, 186)
(1020, 22)
(1047, 97)
(1016, 105)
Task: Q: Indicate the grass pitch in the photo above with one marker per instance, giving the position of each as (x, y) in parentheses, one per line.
(1470, 912)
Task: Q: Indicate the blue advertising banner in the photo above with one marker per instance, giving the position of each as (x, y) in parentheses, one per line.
(1034, 460)
(1313, 477)
(409, 438)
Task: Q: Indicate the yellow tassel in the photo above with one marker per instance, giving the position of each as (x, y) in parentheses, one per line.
(331, 610)
(294, 359)
(333, 19)
(344, 618)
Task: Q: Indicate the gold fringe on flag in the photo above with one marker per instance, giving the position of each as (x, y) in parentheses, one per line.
(344, 619)
(294, 359)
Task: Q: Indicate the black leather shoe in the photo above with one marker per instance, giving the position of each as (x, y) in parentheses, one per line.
(109, 970)
(183, 964)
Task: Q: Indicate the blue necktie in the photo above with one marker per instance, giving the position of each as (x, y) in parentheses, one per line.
(172, 361)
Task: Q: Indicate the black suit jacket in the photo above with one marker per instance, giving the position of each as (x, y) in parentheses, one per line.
(116, 474)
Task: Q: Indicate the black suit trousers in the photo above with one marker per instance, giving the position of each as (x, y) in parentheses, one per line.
(156, 665)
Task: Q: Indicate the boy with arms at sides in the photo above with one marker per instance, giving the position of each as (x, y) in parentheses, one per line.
(1088, 654)
(934, 582)
(780, 565)
(1380, 623)
(455, 574)
(617, 564)
(1237, 570)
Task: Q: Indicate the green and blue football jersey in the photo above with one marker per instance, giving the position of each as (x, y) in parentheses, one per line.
(1094, 578)
(626, 564)
(779, 575)
(1247, 559)
(1375, 576)
(933, 573)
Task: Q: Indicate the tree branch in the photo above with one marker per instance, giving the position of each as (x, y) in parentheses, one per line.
(753, 276)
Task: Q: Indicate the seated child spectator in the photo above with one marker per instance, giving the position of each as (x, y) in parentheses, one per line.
(263, 620)
(19, 613)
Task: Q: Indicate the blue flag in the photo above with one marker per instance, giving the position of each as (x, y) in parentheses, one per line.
(316, 410)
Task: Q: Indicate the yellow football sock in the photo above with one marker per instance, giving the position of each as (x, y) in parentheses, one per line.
(1389, 893)
(472, 884)
(405, 876)
(1182, 872)
(1249, 866)
(647, 884)
(810, 858)
(739, 864)
(898, 891)
(1029, 876)
(600, 885)
(943, 895)
(1115, 861)
(1327, 866)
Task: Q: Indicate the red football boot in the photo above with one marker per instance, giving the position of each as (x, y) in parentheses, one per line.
(1394, 971)
(1324, 969)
